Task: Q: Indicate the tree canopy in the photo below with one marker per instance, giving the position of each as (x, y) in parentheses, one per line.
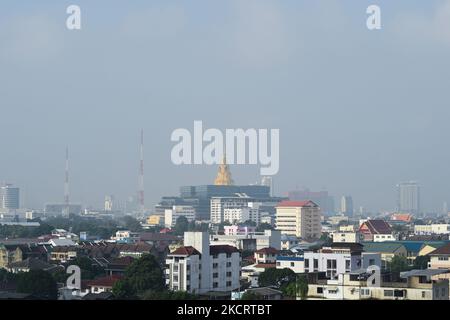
(39, 283)
(144, 274)
(278, 278)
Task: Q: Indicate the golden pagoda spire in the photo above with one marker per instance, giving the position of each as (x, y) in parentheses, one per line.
(224, 175)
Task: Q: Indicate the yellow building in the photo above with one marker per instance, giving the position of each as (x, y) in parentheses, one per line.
(155, 220)
(299, 218)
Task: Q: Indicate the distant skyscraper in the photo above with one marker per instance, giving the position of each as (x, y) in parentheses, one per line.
(347, 206)
(268, 182)
(109, 203)
(445, 208)
(408, 197)
(9, 197)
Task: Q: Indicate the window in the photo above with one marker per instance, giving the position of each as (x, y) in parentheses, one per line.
(316, 264)
(443, 258)
(215, 275)
(278, 263)
(228, 274)
(423, 294)
(175, 278)
(228, 264)
(347, 264)
(228, 283)
(319, 290)
(388, 293)
(292, 264)
(306, 263)
(215, 265)
(215, 284)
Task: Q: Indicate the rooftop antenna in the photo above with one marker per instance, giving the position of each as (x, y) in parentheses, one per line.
(66, 185)
(141, 177)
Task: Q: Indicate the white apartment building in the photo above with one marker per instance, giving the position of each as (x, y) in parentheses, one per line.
(171, 215)
(419, 285)
(384, 237)
(430, 229)
(299, 218)
(243, 214)
(199, 268)
(126, 236)
(250, 240)
(337, 259)
(348, 237)
(220, 204)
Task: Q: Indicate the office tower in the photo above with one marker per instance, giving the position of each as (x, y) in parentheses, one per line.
(9, 197)
(408, 197)
(109, 203)
(268, 182)
(299, 218)
(347, 206)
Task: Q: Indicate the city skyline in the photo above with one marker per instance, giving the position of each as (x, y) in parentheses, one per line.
(371, 105)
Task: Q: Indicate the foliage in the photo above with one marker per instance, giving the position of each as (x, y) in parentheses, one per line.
(12, 231)
(297, 288)
(39, 283)
(249, 295)
(168, 295)
(181, 225)
(398, 264)
(89, 269)
(264, 226)
(278, 278)
(142, 275)
(131, 224)
(421, 262)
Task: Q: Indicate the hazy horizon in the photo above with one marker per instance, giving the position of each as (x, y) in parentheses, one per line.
(358, 111)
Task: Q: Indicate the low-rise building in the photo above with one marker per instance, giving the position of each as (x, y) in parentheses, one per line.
(376, 229)
(440, 258)
(355, 286)
(430, 229)
(198, 267)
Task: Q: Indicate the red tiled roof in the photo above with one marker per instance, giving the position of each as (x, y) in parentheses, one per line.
(104, 281)
(378, 226)
(269, 250)
(305, 203)
(444, 250)
(218, 249)
(185, 251)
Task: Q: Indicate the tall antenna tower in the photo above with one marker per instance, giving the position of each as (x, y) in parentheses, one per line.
(141, 177)
(66, 185)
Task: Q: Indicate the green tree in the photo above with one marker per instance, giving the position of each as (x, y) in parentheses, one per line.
(298, 288)
(39, 283)
(181, 225)
(279, 278)
(421, 262)
(168, 295)
(89, 269)
(132, 224)
(249, 295)
(264, 226)
(142, 275)
(398, 264)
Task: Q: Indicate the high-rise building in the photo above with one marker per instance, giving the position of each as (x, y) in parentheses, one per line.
(347, 206)
(9, 197)
(268, 182)
(408, 197)
(299, 218)
(109, 203)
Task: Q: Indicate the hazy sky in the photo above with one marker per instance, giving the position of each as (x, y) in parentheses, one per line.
(358, 110)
